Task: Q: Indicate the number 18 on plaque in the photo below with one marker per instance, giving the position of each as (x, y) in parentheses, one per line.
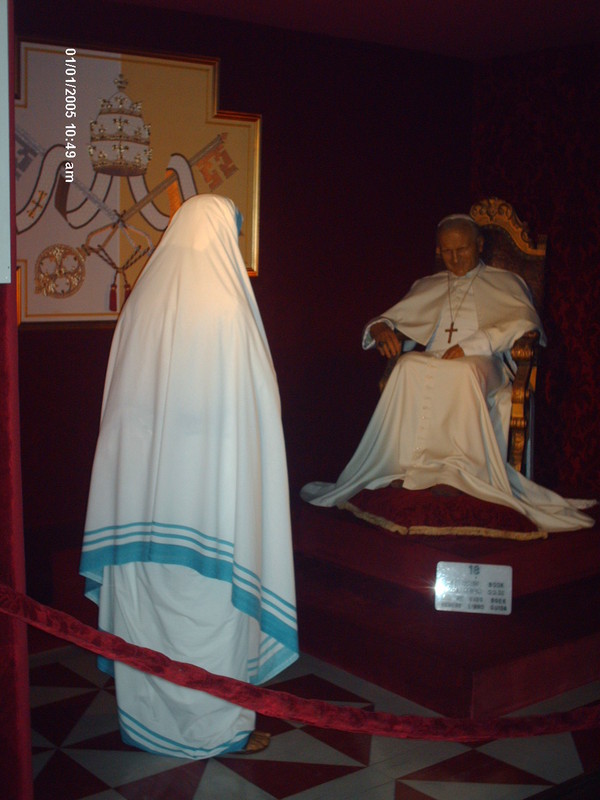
(473, 588)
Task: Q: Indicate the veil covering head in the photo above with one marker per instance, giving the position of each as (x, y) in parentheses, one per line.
(198, 264)
(190, 465)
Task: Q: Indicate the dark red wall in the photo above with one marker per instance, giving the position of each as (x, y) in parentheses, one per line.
(364, 148)
(536, 143)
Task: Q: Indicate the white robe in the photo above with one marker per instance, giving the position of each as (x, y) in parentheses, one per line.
(446, 421)
(187, 547)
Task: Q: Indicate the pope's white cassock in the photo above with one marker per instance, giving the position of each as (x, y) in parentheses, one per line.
(187, 546)
(446, 421)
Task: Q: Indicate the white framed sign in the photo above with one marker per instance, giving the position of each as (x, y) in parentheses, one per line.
(108, 145)
(473, 588)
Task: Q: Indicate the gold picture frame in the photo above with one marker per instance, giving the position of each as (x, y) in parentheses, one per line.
(108, 145)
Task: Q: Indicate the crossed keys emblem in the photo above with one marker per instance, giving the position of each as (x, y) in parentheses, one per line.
(60, 268)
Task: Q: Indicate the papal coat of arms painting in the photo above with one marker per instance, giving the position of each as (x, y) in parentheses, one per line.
(107, 148)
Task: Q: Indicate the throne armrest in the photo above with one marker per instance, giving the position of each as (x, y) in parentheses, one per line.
(525, 355)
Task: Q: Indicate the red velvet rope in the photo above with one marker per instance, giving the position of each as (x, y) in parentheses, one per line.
(281, 704)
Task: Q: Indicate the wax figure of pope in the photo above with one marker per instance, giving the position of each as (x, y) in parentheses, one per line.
(187, 545)
(443, 417)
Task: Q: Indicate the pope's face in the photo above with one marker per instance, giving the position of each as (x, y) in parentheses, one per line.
(460, 249)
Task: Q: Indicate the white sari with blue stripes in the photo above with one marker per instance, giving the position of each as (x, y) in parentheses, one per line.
(187, 547)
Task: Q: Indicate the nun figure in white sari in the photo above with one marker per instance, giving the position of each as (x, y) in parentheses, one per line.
(187, 545)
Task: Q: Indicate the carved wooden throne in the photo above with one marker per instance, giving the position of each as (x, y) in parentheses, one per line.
(508, 244)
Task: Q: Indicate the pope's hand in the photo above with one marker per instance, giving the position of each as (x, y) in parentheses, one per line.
(386, 340)
(455, 351)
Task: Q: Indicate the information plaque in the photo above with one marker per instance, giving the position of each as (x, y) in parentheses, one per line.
(473, 588)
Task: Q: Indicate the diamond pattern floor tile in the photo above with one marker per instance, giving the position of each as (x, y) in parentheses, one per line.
(473, 791)
(278, 777)
(56, 720)
(62, 777)
(474, 767)
(79, 754)
(186, 778)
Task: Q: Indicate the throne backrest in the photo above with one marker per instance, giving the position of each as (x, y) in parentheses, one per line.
(508, 244)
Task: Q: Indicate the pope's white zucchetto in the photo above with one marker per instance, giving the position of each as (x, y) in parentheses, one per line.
(457, 218)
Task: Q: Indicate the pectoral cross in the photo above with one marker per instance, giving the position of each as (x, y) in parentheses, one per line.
(450, 331)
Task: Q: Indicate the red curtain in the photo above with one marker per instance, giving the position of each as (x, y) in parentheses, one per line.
(15, 735)
(15, 749)
(535, 144)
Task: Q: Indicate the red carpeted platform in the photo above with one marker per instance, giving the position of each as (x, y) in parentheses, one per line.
(365, 604)
(410, 561)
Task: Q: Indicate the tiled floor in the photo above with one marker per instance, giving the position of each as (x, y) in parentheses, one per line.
(78, 752)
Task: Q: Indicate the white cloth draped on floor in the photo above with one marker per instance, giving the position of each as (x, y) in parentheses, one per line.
(446, 421)
(187, 546)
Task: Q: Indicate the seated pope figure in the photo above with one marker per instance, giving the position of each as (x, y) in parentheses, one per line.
(443, 417)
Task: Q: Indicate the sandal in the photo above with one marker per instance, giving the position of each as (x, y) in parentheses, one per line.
(259, 740)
